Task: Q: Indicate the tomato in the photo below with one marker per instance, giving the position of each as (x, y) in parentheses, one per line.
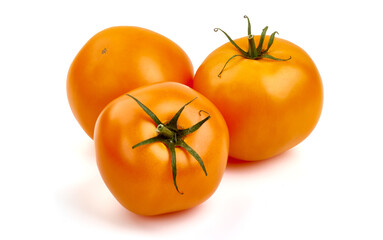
(270, 96)
(117, 60)
(173, 170)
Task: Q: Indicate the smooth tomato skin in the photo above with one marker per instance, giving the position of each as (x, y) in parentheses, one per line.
(269, 106)
(141, 178)
(117, 60)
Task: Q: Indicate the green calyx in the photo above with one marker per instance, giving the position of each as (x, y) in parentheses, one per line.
(254, 52)
(172, 137)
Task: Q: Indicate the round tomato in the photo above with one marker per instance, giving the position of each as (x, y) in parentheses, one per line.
(270, 96)
(161, 148)
(117, 60)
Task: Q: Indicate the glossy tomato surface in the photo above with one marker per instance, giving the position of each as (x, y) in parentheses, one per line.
(141, 178)
(117, 60)
(269, 106)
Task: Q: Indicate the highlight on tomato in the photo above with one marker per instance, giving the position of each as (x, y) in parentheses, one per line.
(161, 148)
(117, 60)
(270, 95)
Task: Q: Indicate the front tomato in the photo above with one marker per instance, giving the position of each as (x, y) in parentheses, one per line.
(161, 148)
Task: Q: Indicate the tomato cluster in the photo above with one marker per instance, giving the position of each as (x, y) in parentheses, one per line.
(163, 137)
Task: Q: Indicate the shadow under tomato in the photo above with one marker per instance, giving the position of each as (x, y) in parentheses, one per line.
(92, 200)
(236, 165)
(158, 222)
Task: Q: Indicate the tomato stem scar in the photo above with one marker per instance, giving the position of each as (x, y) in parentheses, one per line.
(253, 52)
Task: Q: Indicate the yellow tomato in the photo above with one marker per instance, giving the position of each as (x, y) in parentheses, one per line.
(117, 60)
(177, 170)
(271, 102)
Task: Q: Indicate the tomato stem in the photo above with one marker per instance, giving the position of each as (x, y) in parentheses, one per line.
(172, 137)
(252, 49)
(254, 52)
(164, 131)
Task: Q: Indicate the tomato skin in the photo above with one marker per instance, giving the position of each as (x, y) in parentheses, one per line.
(117, 60)
(141, 178)
(269, 106)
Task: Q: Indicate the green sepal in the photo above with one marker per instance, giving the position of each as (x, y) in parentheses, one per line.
(219, 74)
(171, 147)
(271, 41)
(261, 39)
(182, 133)
(173, 122)
(231, 41)
(274, 58)
(147, 110)
(248, 25)
(157, 138)
(183, 144)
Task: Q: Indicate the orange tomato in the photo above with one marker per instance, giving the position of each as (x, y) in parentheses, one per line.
(269, 105)
(144, 179)
(117, 60)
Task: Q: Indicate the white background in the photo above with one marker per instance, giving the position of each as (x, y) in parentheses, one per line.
(328, 187)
